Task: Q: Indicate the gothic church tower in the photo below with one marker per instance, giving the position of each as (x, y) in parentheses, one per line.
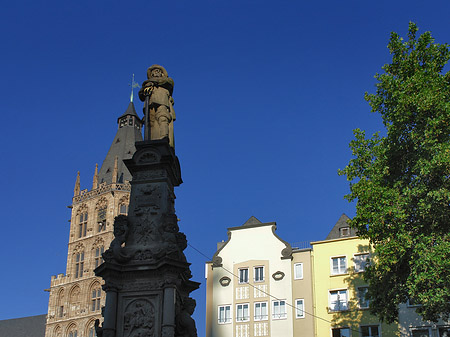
(76, 297)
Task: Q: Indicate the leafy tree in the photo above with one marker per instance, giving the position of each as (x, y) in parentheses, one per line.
(402, 181)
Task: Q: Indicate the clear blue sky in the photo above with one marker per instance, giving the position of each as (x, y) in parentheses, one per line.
(266, 93)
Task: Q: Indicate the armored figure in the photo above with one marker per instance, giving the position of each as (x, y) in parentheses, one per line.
(158, 88)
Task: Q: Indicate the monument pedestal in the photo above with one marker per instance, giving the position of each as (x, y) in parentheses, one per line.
(147, 277)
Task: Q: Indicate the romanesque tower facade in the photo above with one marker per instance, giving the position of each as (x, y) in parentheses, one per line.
(76, 297)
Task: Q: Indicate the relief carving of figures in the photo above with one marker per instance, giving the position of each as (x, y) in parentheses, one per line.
(159, 88)
(185, 324)
(139, 319)
(148, 197)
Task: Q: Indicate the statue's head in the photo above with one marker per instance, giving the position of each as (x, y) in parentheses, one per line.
(156, 71)
(120, 225)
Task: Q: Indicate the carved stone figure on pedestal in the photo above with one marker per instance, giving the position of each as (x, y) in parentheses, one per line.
(158, 88)
(146, 274)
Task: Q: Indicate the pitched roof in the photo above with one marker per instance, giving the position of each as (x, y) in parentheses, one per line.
(33, 326)
(252, 221)
(339, 230)
(122, 147)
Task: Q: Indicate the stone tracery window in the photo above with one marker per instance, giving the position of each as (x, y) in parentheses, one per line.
(79, 264)
(96, 294)
(82, 224)
(101, 219)
(60, 304)
(98, 256)
(72, 331)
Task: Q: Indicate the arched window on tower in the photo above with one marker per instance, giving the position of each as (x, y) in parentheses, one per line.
(72, 331)
(79, 264)
(123, 209)
(82, 224)
(101, 219)
(98, 256)
(60, 304)
(96, 294)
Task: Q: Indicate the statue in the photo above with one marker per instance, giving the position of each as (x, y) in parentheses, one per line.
(156, 92)
(116, 250)
(185, 324)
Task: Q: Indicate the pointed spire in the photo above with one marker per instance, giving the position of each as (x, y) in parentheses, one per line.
(115, 172)
(95, 181)
(76, 190)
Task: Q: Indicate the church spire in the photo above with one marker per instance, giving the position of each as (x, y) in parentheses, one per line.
(95, 180)
(122, 147)
(76, 190)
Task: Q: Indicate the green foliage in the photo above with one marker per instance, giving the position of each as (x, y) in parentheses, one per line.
(402, 181)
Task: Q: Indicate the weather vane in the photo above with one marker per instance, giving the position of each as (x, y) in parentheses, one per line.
(133, 85)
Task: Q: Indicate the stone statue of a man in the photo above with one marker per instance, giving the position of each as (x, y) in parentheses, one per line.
(159, 88)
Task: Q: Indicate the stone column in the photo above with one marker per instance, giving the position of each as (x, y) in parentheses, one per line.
(168, 324)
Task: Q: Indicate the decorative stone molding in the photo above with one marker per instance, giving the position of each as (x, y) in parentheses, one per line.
(225, 281)
(278, 275)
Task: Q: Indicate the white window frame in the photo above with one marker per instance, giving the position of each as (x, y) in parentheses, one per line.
(244, 318)
(255, 273)
(339, 292)
(226, 320)
(241, 279)
(357, 265)
(278, 314)
(341, 269)
(370, 326)
(261, 316)
(298, 266)
(299, 314)
(365, 299)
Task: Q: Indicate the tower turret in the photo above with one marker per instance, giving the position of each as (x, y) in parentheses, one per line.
(128, 132)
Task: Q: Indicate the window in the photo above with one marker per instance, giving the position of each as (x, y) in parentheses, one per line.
(279, 310)
(95, 300)
(259, 274)
(98, 256)
(242, 314)
(298, 271)
(60, 304)
(338, 265)
(72, 333)
(82, 225)
(79, 264)
(299, 308)
(92, 332)
(444, 331)
(344, 231)
(360, 261)
(340, 332)
(420, 332)
(370, 331)
(261, 311)
(338, 300)
(123, 209)
(101, 219)
(243, 275)
(224, 314)
(363, 302)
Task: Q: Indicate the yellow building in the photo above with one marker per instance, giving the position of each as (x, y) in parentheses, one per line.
(340, 307)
